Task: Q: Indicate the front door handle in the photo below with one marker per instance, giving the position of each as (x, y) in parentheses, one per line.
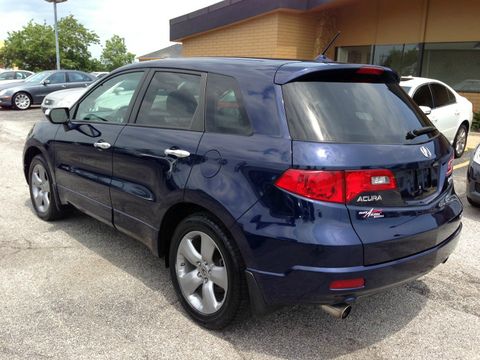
(102, 145)
(177, 152)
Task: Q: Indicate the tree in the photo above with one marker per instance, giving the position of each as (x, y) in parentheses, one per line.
(115, 53)
(74, 40)
(33, 47)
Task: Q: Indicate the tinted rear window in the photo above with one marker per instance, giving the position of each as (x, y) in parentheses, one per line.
(351, 112)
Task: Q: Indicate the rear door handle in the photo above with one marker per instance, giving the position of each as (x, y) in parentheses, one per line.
(177, 152)
(102, 145)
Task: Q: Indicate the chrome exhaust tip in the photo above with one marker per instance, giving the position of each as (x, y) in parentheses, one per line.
(339, 311)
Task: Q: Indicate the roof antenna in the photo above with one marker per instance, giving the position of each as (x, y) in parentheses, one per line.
(322, 57)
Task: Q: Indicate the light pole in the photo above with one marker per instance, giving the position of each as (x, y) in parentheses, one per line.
(57, 49)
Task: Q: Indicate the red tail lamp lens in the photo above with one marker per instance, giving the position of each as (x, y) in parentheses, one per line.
(370, 70)
(317, 185)
(336, 186)
(357, 283)
(450, 166)
(360, 181)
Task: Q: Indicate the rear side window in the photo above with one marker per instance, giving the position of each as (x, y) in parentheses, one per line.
(78, 77)
(225, 111)
(441, 95)
(351, 112)
(171, 101)
(423, 96)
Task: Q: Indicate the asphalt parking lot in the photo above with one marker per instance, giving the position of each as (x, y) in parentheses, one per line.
(78, 289)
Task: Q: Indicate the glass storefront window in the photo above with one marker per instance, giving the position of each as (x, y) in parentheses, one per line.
(403, 58)
(355, 54)
(457, 64)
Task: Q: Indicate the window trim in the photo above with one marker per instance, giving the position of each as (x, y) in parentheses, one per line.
(198, 122)
(74, 108)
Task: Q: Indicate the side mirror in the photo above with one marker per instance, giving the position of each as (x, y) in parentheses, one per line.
(46, 82)
(58, 115)
(426, 109)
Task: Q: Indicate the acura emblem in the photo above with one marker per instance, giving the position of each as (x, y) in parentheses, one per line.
(427, 153)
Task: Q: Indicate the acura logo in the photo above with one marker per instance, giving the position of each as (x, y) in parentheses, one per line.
(427, 153)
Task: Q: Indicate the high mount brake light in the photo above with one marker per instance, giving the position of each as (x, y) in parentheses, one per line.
(370, 70)
(335, 186)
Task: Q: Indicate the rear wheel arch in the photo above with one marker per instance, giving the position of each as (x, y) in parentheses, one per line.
(175, 214)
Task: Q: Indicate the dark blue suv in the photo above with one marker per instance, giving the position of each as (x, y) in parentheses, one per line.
(262, 182)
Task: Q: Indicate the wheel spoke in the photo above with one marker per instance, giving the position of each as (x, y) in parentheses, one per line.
(46, 199)
(189, 282)
(207, 248)
(36, 180)
(38, 197)
(209, 302)
(189, 252)
(218, 274)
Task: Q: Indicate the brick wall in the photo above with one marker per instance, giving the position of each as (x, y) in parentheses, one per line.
(474, 98)
(282, 34)
(254, 37)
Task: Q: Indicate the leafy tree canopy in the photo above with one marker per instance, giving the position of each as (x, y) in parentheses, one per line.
(115, 53)
(33, 47)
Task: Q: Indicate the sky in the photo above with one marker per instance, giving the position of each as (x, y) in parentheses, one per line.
(143, 23)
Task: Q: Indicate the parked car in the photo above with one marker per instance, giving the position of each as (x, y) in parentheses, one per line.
(473, 179)
(99, 74)
(32, 91)
(273, 181)
(14, 76)
(62, 98)
(450, 112)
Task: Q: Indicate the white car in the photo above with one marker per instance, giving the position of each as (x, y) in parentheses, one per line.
(450, 112)
(13, 76)
(62, 98)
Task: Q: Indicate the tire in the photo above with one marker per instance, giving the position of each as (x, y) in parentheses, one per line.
(213, 289)
(473, 203)
(460, 142)
(21, 101)
(42, 191)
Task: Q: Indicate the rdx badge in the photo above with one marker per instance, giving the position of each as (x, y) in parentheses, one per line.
(372, 213)
(369, 198)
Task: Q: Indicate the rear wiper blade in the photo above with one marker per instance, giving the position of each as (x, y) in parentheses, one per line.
(422, 131)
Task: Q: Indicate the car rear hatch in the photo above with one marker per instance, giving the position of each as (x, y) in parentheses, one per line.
(358, 139)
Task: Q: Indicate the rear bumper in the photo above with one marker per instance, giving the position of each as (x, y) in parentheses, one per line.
(303, 284)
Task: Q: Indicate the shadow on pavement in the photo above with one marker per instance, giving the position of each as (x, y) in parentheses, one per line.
(301, 332)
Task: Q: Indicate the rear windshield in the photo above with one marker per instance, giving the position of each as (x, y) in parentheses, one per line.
(351, 112)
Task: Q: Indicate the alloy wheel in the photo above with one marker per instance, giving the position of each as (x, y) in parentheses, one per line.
(461, 140)
(22, 101)
(201, 272)
(40, 186)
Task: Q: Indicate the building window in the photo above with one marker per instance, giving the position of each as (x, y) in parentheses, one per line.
(355, 54)
(457, 64)
(403, 58)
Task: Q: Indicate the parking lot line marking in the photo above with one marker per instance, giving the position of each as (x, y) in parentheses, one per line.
(461, 165)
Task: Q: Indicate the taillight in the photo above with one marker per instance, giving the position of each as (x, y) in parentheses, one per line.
(450, 166)
(335, 186)
(317, 185)
(360, 181)
(370, 70)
